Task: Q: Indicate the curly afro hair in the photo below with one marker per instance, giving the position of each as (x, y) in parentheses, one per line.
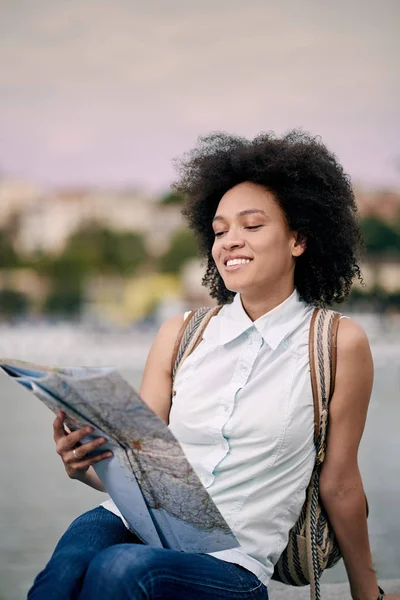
(311, 189)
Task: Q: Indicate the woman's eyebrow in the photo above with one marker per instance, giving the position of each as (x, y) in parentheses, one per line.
(251, 211)
(242, 213)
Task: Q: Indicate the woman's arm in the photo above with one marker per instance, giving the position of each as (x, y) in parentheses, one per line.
(156, 386)
(155, 390)
(341, 487)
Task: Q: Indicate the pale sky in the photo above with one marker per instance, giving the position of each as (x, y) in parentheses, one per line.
(108, 92)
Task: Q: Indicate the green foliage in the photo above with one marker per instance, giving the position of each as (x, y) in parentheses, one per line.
(182, 247)
(379, 237)
(374, 298)
(396, 225)
(67, 302)
(92, 249)
(8, 256)
(95, 248)
(171, 198)
(394, 300)
(13, 303)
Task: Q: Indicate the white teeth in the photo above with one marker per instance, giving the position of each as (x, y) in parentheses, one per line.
(237, 261)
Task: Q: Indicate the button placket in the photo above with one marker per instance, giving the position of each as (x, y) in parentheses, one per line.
(247, 361)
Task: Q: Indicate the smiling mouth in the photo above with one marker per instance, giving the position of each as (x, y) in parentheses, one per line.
(239, 263)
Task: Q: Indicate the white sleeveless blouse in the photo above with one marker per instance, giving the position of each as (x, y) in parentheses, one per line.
(243, 413)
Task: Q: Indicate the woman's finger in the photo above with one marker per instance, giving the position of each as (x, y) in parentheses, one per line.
(68, 441)
(87, 462)
(76, 436)
(58, 427)
(87, 448)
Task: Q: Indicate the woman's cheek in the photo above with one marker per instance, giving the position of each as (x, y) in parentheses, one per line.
(214, 253)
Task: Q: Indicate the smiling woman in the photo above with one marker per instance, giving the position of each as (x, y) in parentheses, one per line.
(276, 223)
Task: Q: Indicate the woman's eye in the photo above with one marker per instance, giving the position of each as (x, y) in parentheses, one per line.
(218, 233)
(253, 226)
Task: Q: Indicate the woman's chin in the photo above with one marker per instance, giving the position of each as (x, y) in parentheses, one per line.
(234, 286)
(234, 282)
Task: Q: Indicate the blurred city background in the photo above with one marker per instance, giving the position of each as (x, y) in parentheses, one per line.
(96, 100)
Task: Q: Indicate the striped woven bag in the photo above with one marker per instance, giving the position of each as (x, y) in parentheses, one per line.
(312, 547)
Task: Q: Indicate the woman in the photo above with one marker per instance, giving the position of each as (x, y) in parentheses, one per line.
(276, 222)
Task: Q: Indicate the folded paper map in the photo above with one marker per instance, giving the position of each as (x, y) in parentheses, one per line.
(148, 477)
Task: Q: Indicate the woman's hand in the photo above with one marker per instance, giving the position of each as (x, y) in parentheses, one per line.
(74, 456)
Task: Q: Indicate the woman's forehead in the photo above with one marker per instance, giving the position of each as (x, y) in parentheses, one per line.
(246, 198)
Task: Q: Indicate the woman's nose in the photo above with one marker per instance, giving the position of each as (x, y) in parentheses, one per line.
(232, 242)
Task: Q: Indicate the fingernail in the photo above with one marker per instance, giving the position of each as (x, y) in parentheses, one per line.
(89, 429)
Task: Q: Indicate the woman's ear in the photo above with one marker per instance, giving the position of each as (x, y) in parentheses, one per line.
(299, 244)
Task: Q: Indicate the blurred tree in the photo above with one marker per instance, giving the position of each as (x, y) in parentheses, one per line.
(91, 249)
(96, 248)
(380, 237)
(64, 302)
(8, 256)
(394, 300)
(171, 198)
(13, 303)
(182, 247)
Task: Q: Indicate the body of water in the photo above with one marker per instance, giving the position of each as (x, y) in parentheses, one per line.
(38, 500)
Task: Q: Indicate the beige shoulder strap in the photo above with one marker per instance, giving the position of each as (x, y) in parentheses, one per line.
(179, 339)
(322, 353)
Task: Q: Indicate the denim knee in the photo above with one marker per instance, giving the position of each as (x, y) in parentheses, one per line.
(60, 577)
(88, 535)
(119, 561)
(121, 571)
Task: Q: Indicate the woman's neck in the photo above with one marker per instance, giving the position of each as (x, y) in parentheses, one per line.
(256, 307)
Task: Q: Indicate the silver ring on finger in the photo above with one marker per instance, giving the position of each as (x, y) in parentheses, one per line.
(76, 454)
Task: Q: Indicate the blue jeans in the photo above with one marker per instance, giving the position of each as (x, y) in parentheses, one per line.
(99, 559)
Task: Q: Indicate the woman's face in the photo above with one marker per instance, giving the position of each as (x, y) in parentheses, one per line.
(253, 249)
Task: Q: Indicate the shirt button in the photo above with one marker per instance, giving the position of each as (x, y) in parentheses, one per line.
(244, 368)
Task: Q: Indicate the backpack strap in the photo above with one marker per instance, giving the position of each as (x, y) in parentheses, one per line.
(322, 353)
(191, 334)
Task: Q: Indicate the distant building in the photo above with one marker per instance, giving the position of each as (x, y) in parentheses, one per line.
(16, 196)
(382, 204)
(27, 281)
(46, 222)
(382, 272)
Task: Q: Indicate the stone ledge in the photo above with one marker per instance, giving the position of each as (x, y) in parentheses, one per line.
(329, 591)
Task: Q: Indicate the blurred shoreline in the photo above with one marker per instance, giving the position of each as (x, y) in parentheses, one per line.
(80, 343)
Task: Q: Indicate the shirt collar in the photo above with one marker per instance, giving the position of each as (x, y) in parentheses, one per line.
(274, 326)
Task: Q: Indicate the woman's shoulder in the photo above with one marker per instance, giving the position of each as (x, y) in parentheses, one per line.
(170, 328)
(351, 336)
(354, 357)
